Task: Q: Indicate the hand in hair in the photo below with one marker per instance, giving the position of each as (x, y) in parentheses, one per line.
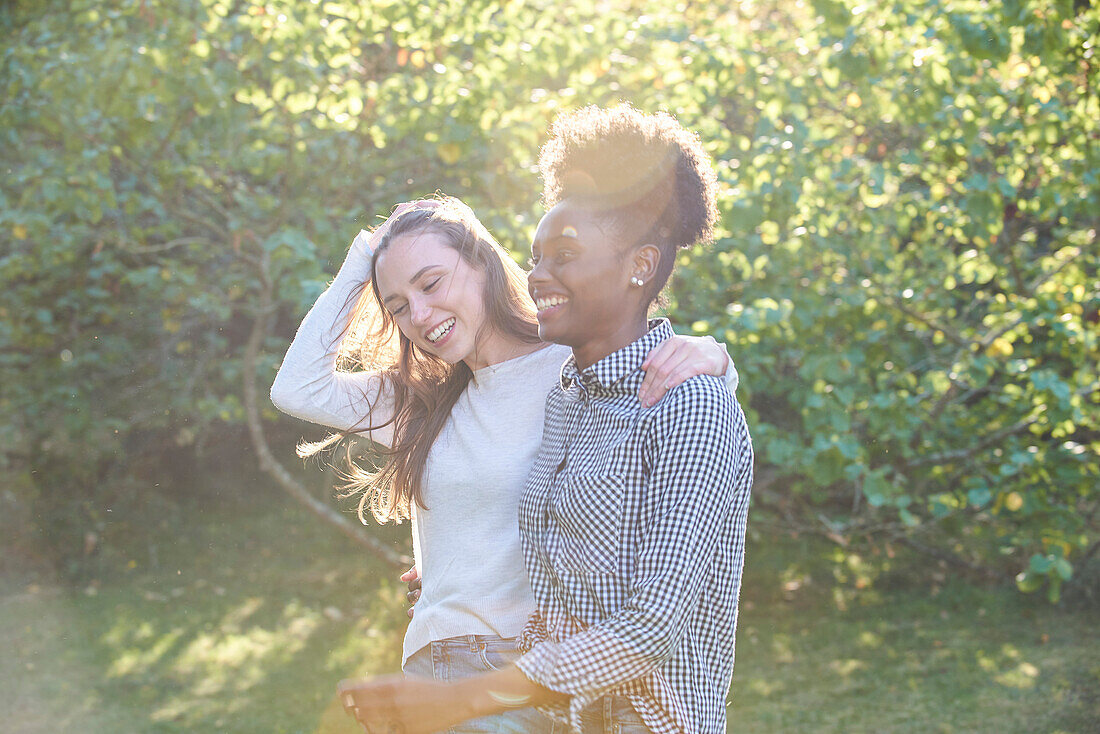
(405, 206)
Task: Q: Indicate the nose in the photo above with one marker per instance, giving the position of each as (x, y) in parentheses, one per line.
(536, 277)
(420, 312)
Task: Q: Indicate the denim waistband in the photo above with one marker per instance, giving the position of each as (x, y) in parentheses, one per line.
(474, 643)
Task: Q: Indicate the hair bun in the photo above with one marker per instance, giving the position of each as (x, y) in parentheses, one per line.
(620, 157)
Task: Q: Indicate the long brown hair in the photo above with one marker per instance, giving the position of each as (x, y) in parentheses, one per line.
(424, 387)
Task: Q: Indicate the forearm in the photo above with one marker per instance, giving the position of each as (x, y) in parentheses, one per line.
(420, 706)
(318, 337)
(502, 691)
(626, 646)
(307, 385)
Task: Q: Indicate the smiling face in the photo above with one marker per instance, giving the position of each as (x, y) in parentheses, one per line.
(435, 296)
(580, 282)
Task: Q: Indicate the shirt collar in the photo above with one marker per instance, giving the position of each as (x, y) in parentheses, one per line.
(617, 365)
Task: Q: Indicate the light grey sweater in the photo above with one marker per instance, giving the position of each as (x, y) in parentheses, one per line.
(466, 540)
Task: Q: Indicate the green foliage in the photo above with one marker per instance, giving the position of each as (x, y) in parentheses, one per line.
(912, 243)
(906, 273)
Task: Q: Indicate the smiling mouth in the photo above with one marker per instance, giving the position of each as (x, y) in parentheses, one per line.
(550, 302)
(441, 331)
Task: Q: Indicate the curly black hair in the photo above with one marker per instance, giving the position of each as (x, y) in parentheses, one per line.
(637, 167)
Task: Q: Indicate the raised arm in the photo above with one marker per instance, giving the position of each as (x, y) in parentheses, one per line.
(308, 385)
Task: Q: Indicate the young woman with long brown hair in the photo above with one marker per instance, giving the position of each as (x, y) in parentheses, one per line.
(451, 378)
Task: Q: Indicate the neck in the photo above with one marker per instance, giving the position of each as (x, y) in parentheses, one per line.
(495, 349)
(625, 334)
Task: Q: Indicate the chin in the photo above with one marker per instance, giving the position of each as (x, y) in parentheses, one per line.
(429, 349)
(448, 356)
(556, 335)
(458, 353)
(547, 334)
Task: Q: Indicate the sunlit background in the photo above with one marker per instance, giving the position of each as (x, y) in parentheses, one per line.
(906, 274)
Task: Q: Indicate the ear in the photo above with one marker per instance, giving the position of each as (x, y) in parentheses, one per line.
(644, 262)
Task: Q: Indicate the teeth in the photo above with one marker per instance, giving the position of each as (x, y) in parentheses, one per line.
(437, 333)
(544, 303)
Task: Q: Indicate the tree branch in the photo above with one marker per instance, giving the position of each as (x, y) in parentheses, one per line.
(950, 558)
(270, 465)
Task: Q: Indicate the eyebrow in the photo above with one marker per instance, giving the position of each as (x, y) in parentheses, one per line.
(412, 280)
(571, 237)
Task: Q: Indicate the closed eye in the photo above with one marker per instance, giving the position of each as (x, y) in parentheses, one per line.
(431, 286)
(560, 256)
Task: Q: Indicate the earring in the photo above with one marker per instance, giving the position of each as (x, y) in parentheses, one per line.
(635, 280)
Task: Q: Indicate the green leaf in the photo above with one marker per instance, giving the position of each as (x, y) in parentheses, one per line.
(1029, 582)
(1040, 564)
(979, 497)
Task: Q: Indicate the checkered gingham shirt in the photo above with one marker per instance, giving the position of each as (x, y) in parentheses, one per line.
(633, 529)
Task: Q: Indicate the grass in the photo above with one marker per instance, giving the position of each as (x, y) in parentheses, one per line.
(241, 618)
(951, 658)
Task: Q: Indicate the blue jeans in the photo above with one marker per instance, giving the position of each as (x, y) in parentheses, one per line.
(463, 657)
(611, 714)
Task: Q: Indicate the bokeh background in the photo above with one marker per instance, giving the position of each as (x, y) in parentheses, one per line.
(907, 273)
